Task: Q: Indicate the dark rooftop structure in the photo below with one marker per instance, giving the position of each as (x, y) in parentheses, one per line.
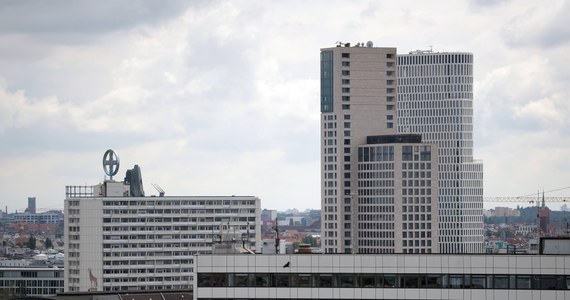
(394, 139)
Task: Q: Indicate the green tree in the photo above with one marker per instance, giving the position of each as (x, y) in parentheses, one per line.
(310, 240)
(48, 243)
(31, 243)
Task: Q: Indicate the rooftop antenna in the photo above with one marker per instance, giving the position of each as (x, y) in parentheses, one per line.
(158, 189)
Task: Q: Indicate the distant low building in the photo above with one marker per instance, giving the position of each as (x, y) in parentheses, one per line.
(525, 229)
(506, 212)
(50, 217)
(16, 282)
(268, 214)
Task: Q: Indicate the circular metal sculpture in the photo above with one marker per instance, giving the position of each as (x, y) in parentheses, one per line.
(111, 163)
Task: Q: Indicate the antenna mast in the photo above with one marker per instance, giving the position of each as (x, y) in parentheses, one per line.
(276, 237)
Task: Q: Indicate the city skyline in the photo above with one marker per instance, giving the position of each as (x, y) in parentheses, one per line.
(220, 98)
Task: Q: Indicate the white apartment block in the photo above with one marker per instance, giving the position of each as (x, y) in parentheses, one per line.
(116, 242)
(358, 101)
(37, 218)
(435, 99)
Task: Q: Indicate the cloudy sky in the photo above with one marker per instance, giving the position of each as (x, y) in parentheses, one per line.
(222, 97)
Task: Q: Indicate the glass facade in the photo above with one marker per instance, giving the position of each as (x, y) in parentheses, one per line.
(326, 81)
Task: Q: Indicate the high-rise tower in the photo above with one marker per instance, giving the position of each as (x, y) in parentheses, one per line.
(362, 166)
(435, 99)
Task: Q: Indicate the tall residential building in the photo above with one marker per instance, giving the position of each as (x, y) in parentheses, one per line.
(435, 99)
(358, 103)
(115, 241)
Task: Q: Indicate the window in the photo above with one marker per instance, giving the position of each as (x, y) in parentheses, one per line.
(347, 281)
(433, 281)
(261, 280)
(523, 282)
(346, 90)
(409, 281)
(478, 281)
(407, 153)
(345, 98)
(325, 280)
(345, 55)
(455, 281)
(346, 64)
(346, 81)
(282, 280)
(345, 72)
(241, 280)
(501, 281)
(368, 281)
(390, 280)
(345, 106)
(301, 280)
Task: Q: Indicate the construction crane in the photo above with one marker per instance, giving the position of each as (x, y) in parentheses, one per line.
(531, 198)
(526, 199)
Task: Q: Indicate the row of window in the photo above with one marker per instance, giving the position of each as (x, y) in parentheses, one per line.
(181, 202)
(444, 88)
(429, 59)
(349, 280)
(435, 80)
(145, 287)
(32, 283)
(176, 212)
(433, 71)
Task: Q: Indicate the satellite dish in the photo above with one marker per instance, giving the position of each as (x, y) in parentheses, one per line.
(369, 44)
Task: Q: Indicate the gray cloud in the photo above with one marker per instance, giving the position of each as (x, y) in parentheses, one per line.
(487, 3)
(84, 17)
(222, 97)
(543, 28)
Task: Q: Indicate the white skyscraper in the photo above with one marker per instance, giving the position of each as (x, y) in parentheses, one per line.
(435, 99)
